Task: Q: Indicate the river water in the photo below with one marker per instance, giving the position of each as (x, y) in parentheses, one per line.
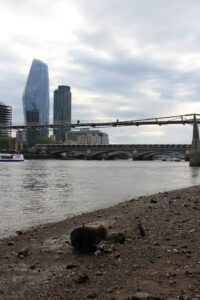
(41, 191)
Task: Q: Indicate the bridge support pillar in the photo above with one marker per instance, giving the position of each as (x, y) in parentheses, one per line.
(135, 154)
(195, 150)
(88, 154)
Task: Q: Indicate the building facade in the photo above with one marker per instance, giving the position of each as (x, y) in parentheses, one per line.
(21, 136)
(36, 100)
(5, 119)
(86, 137)
(62, 111)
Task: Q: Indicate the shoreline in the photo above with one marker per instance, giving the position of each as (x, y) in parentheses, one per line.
(165, 262)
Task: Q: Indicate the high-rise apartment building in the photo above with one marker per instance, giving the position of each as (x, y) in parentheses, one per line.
(36, 99)
(5, 119)
(62, 111)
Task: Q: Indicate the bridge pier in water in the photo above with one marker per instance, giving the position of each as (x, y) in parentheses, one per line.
(195, 149)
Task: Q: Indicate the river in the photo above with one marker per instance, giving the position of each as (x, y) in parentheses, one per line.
(42, 191)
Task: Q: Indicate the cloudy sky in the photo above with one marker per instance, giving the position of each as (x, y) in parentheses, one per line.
(124, 59)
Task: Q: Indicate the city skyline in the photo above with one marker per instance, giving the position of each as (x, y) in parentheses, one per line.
(141, 61)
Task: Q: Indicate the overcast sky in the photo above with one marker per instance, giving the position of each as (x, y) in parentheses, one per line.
(124, 59)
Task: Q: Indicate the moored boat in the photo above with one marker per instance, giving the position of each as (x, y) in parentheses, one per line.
(7, 157)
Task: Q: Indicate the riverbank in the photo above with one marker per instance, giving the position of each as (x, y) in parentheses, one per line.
(41, 264)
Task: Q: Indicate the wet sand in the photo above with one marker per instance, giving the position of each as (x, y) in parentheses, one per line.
(41, 264)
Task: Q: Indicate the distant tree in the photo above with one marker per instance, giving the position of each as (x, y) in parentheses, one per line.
(44, 140)
(5, 142)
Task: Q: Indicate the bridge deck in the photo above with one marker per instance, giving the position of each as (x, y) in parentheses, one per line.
(170, 120)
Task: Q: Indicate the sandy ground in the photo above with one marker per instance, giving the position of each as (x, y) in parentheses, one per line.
(41, 264)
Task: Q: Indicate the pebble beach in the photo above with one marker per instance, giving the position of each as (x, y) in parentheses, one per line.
(40, 263)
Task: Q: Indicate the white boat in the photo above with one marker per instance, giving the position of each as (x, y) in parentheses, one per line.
(11, 157)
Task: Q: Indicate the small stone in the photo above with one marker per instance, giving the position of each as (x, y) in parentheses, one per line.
(183, 297)
(155, 244)
(110, 290)
(176, 251)
(98, 252)
(19, 232)
(151, 259)
(117, 237)
(92, 296)
(156, 297)
(153, 201)
(172, 282)
(99, 273)
(167, 275)
(22, 253)
(32, 267)
(10, 243)
(117, 255)
(141, 296)
(70, 266)
(82, 278)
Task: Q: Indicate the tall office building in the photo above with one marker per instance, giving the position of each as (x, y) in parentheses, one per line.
(5, 119)
(62, 111)
(36, 99)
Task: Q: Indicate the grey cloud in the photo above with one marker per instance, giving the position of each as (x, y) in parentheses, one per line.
(150, 19)
(8, 57)
(169, 134)
(123, 74)
(43, 8)
(111, 79)
(122, 70)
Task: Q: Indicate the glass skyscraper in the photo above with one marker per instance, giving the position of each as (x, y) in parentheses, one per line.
(62, 111)
(36, 99)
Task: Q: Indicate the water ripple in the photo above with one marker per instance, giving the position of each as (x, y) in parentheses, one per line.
(40, 191)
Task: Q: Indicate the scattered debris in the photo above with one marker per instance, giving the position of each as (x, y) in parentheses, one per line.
(98, 252)
(141, 230)
(22, 253)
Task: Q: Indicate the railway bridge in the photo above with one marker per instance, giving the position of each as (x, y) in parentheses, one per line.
(135, 151)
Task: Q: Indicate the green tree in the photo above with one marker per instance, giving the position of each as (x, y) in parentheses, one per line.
(5, 142)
